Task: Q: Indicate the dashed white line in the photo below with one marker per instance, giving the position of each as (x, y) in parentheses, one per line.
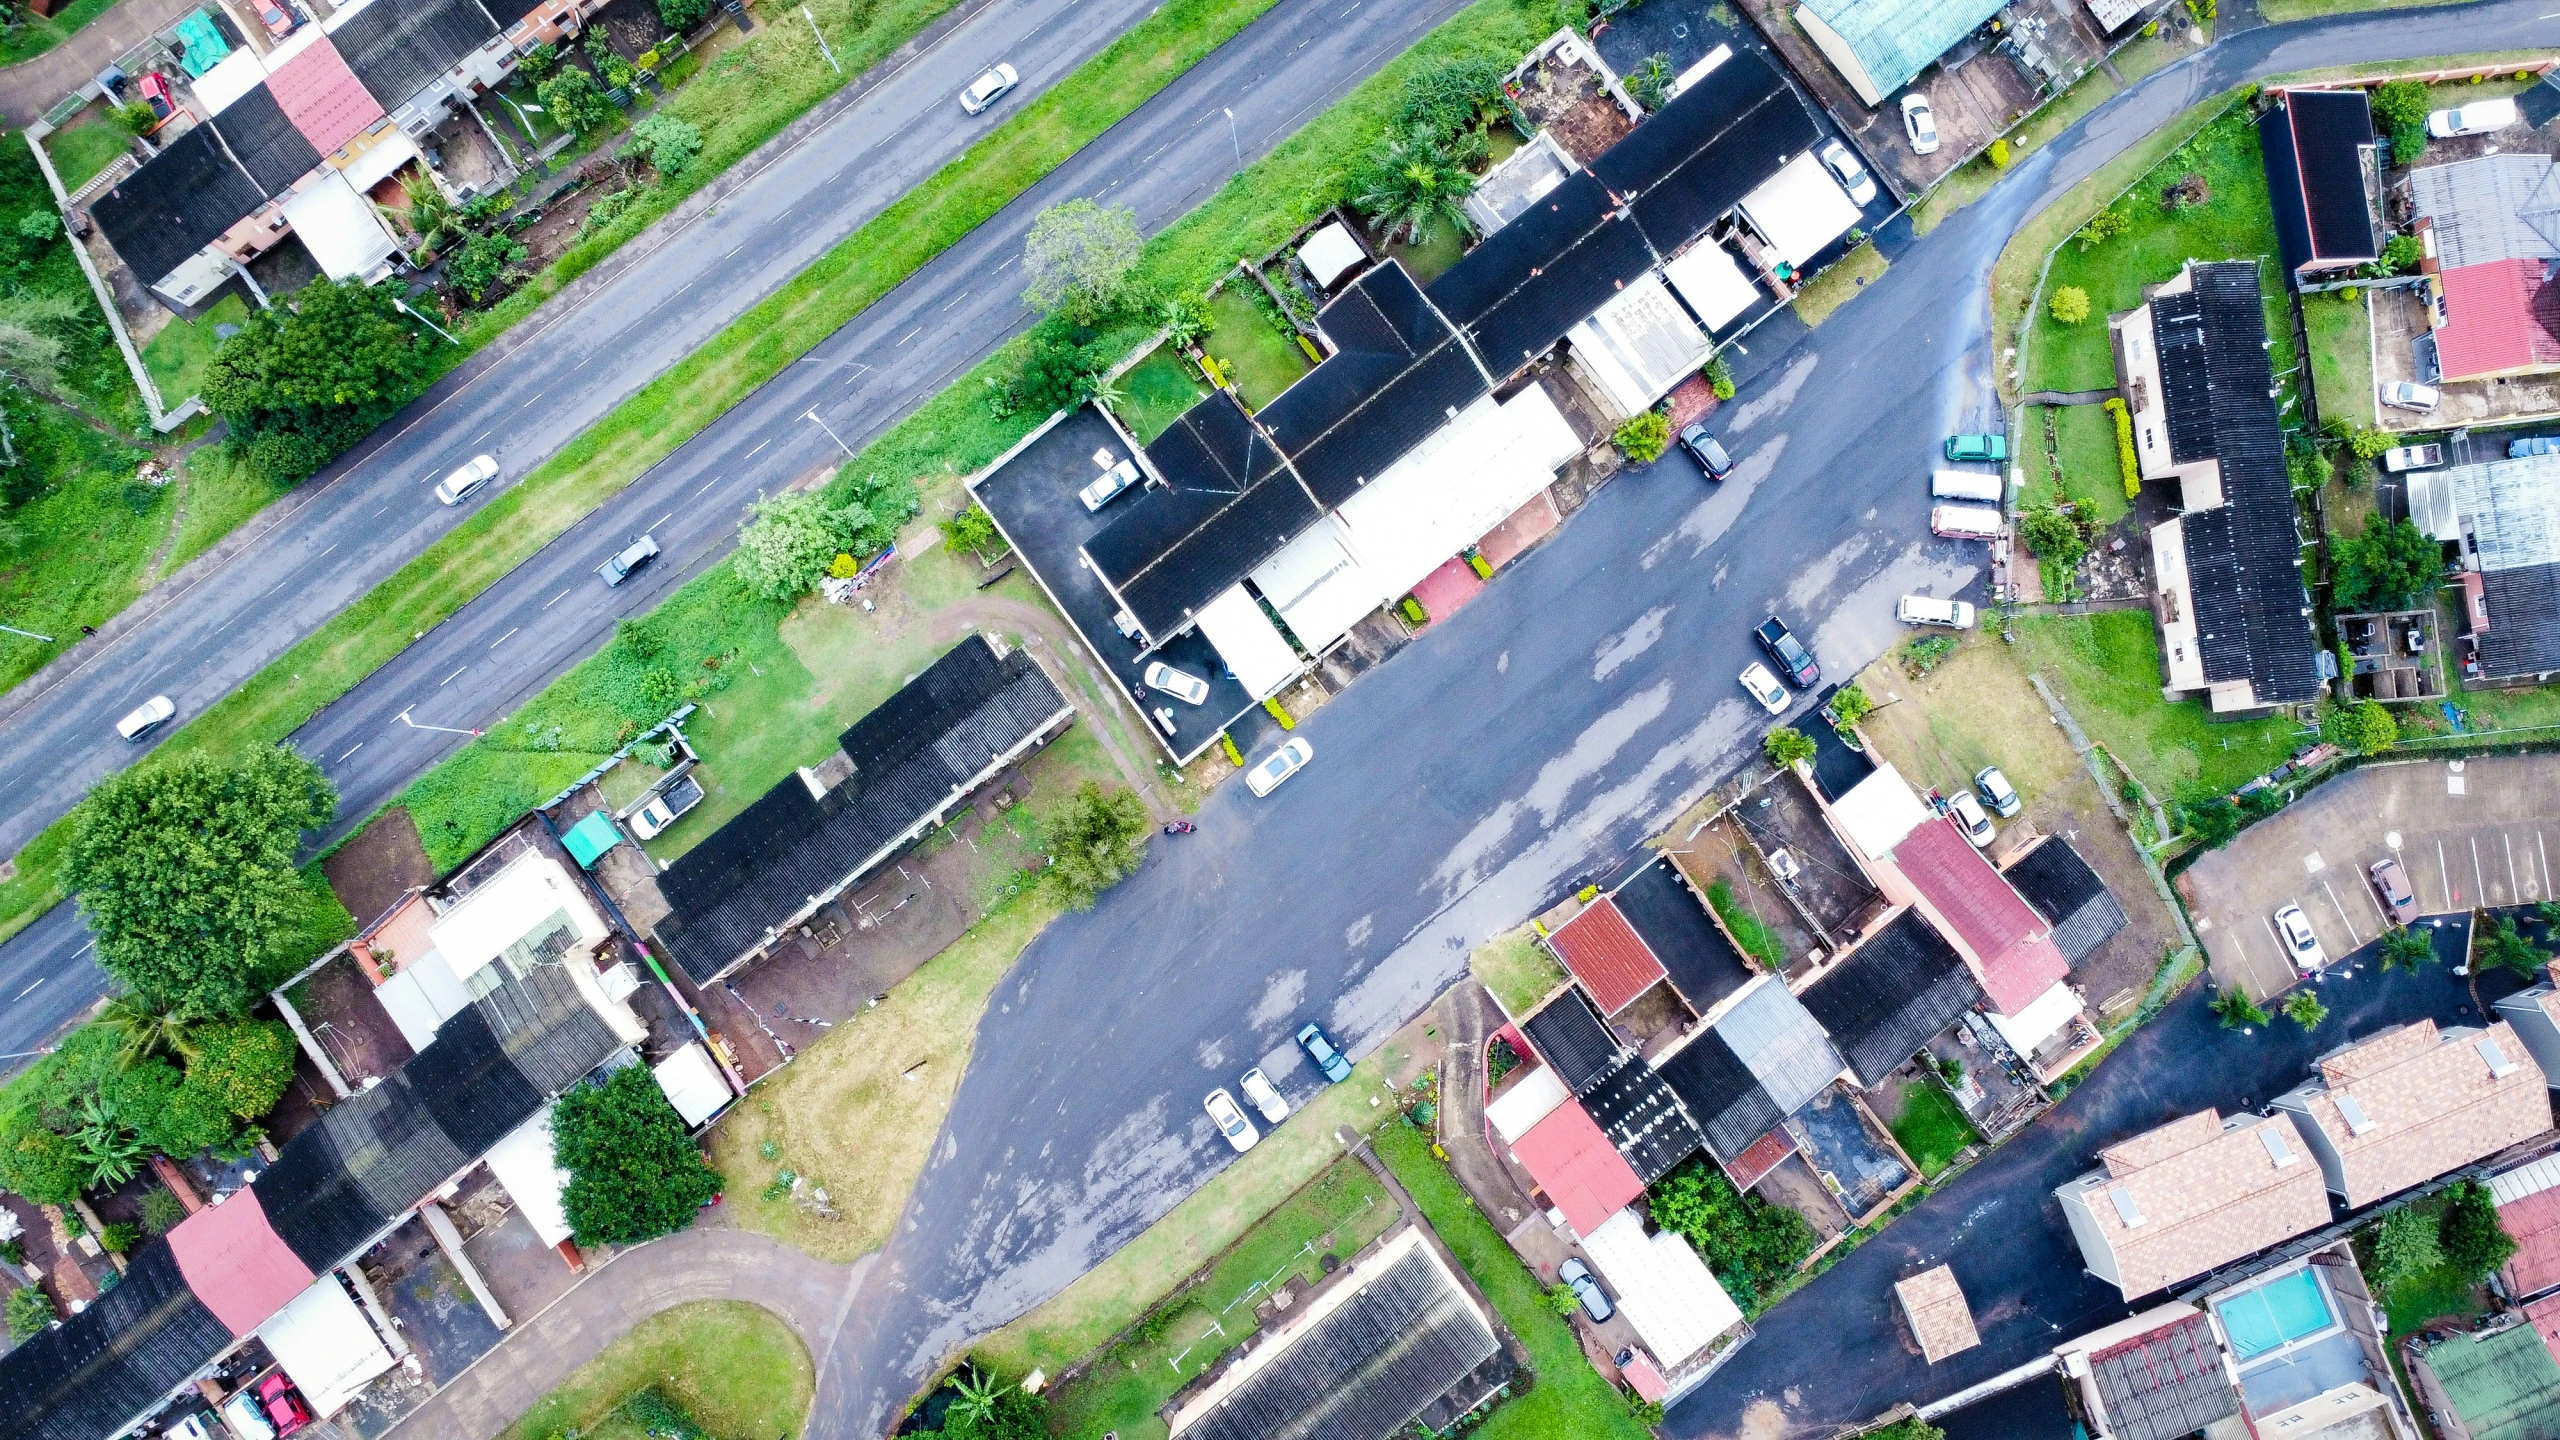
(535, 400)
(910, 335)
(323, 555)
(663, 519)
(682, 288)
(449, 679)
(741, 246)
(485, 434)
(501, 640)
(1008, 264)
(956, 299)
(351, 750)
(554, 600)
(759, 446)
(707, 484)
(23, 994)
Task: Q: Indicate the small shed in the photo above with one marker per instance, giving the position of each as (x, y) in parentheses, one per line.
(590, 838)
(1940, 1319)
(1331, 253)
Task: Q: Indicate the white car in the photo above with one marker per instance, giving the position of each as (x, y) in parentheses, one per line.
(146, 717)
(2477, 118)
(469, 477)
(1114, 480)
(1264, 1095)
(1230, 1121)
(2412, 457)
(1764, 687)
(1970, 819)
(1996, 791)
(988, 88)
(1920, 123)
(1930, 610)
(2408, 395)
(1852, 176)
(2294, 929)
(1279, 765)
(1180, 684)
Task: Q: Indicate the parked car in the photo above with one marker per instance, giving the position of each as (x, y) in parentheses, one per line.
(1595, 1301)
(1920, 123)
(1792, 659)
(1702, 447)
(1996, 791)
(1970, 819)
(241, 1416)
(2408, 395)
(284, 1407)
(2293, 928)
(1264, 1095)
(665, 808)
(189, 1427)
(988, 88)
(1328, 1057)
(1965, 522)
(155, 92)
(2477, 118)
(146, 717)
(2391, 887)
(628, 560)
(1114, 480)
(1852, 176)
(2412, 457)
(279, 21)
(1976, 449)
(1230, 1120)
(1279, 765)
(1180, 684)
(469, 476)
(1929, 610)
(2533, 445)
(1973, 485)
(1764, 687)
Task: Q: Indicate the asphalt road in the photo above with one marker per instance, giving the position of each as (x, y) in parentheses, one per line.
(1575, 705)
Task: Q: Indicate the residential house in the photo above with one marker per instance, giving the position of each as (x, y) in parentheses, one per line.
(2503, 518)
(2528, 1201)
(2306, 1335)
(2235, 621)
(2407, 1105)
(2324, 176)
(2192, 1196)
(2534, 1013)
(2069, 895)
(1757, 1061)
(1886, 997)
(2161, 1375)
(1603, 1096)
(1676, 1306)
(1607, 956)
(2502, 1382)
(1652, 928)
(1879, 46)
(2490, 231)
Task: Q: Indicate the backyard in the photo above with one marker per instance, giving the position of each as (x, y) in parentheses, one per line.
(85, 147)
(177, 356)
(1155, 391)
(2341, 355)
(1246, 342)
(2107, 669)
(1518, 970)
(2077, 463)
(734, 1368)
(1930, 1127)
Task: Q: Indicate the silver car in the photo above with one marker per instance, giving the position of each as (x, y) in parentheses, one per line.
(1264, 1095)
(1230, 1120)
(1996, 791)
(1852, 176)
(1114, 480)
(465, 479)
(1920, 123)
(1180, 684)
(988, 88)
(1279, 765)
(2408, 395)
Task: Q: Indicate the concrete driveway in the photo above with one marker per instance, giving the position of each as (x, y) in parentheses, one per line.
(2468, 833)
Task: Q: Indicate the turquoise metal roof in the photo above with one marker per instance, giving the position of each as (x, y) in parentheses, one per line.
(590, 838)
(202, 45)
(1896, 39)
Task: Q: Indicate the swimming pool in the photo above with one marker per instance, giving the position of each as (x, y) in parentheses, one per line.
(2275, 1314)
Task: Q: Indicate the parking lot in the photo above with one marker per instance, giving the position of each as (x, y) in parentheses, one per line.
(2468, 833)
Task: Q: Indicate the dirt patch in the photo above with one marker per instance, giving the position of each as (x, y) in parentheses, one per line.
(551, 236)
(382, 863)
(337, 1005)
(1568, 99)
(630, 26)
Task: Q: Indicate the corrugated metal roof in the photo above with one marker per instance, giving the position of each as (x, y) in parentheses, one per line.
(2069, 895)
(1732, 1108)
(2479, 207)
(1569, 1034)
(1606, 954)
(2533, 1222)
(1643, 1117)
(327, 102)
(263, 138)
(2512, 507)
(1885, 1000)
(2505, 1386)
(177, 203)
(2166, 1385)
(1581, 1172)
(2499, 318)
(100, 1370)
(235, 1263)
(1897, 39)
(2017, 954)
(1781, 1043)
(400, 47)
(1703, 964)
(2315, 146)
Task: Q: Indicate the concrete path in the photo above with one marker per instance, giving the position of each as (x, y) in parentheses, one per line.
(2069, 397)
(810, 1295)
(28, 90)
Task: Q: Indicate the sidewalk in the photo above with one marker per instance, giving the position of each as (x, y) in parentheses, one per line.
(29, 89)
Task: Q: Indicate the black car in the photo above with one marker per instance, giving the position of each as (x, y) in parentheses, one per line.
(1702, 447)
(628, 559)
(1327, 1055)
(1792, 659)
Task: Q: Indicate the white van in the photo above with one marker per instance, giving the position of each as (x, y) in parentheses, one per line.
(1965, 522)
(1930, 610)
(1967, 485)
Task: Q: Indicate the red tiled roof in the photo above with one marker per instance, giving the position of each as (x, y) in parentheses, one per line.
(1606, 954)
(2544, 1315)
(1583, 1174)
(322, 97)
(1762, 1156)
(1643, 1378)
(2018, 960)
(2534, 1222)
(235, 1263)
(2498, 318)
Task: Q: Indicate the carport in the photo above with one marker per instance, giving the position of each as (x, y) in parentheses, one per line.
(326, 1346)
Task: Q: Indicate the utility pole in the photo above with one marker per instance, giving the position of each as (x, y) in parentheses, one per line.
(403, 307)
(822, 38)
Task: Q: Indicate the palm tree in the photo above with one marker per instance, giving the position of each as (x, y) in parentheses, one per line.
(2237, 1011)
(147, 1027)
(111, 1152)
(430, 212)
(2406, 950)
(1102, 391)
(978, 1393)
(2305, 1010)
(1415, 185)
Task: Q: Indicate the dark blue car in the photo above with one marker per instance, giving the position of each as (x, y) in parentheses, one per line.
(1327, 1055)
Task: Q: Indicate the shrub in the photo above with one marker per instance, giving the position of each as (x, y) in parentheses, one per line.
(576, 101)
(161, 1212)
(2496, 944)
(1451, 95)
(2210, 822)
(137, 117)
(2070, 305)
(2474, 1243)
(1098, 839)
(682, 15)
(1748, 1242)
(2407, 950)
(2000, 154)
(1720, 378)
(2128, 460)
(2236, 1010)
(2405, 1246)
(633, 1172)
(2305, 1010)
(668, 142)
(2104, 226)
(1785, 746)
(121, 1237)
(484, 263)
(1413, 613)
(1851, 704)
(1644, 437)
(2365, 729)
(1562, 1300)
(30, 1311)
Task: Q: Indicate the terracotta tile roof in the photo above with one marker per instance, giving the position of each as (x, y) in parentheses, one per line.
(2544, 1316)
(2534, 1224)
(236, 1264)
(2498, 318)
(1940, 1319)
(2008, 942)
(1582, 1174)
(2431, 1102)
(2205, 1196)
(324, 99)
(1606, 954)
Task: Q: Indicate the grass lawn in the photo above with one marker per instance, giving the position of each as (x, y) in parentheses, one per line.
(1437, 253)
(2107, 669)
(38, 33)
(1975, 709)
(2341, 355)
(2084, 445)
(221, 493)
(84, 542)
(734, 1366)
(1159, 388)
(1569, 1397)
(1517, 969)
(1262, 361)
(1931, 1129)
(2279, 12)
(1756, 938)
(1344, 1209)
(1840, 284)
(85, 148)
(176, 357)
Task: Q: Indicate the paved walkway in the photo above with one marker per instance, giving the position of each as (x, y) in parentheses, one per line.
(810, 1295)
(2069, 397)
(28, 90)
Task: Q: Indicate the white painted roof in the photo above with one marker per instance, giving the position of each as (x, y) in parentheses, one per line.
(1639, 344)
(522, 1162)
(1250, 644)
(1878, 811)
(2043, 1016)
(693, 1084)
(1801, 209)
(326, 1345)
(1666, 1292)
(1531, 1098)
(1329, 252)
(1711, 280)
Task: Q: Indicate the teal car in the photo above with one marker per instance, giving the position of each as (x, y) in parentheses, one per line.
(1991, 448)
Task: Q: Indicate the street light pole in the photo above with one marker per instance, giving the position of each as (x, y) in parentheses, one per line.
(448, 729)
(403, 307)
(831, 432)
(30, 634)
(1232, 140)
(822, 38)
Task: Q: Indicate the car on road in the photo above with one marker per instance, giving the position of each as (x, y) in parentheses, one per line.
(1996, 791)
(1264, 1095)
(2409, 395)
(1930, 610)
(665, 808)
(1852, 176)
(1920, 123)
(1328, 1057)
(1702, 447)
(2391, 887)
(146, 717)
(628, 560)
(1182, 685)
(1114, 480)
(2293, 929)
(1764, 687)
(1970, 819)
(988, 88)
(1976, 449)
(1792, 659)
(279, 21)
(1577, 1277)
(2477, 118)
(1230, 1120)
(467, 477)
(2412, 457)
(284, 1407)
(1279, 765)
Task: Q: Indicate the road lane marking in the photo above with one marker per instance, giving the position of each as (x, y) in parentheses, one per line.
(707, 484)
(740, 246)
(759, 446)
(449, 679)
(501, 640)
(323, 555)
(357, 746)
(681, 289)
(911, 335)
(1008, 264)
(23, 994)
(2452, 897)
(956, 299)
(663, 519)
(556, 599)
(476, 439)
(529, 403)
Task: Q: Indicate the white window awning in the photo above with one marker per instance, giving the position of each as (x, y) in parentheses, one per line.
(1711, 280)
(339, 228)
(391, 149)
(326, 1346)
(523, 1163)
(1318, 588)
(236, 75)
(1801, 209)
(1534, 1097)
(1255, 651)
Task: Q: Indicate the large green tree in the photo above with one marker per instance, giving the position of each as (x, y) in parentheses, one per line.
(785, 551)
(2473, 1240)
(1097, 839)
(633, 1172)
(2391, 564)
(316, 373)
(1414, 182)
(1748, 1242)
(1080, 258)
(185, 873)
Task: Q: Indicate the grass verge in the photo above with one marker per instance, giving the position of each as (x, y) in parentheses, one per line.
(2107, 667)
(1517, 969)
(1244, 341)
(1840, 284)
(35, 34)
(735, 1367)
(1931, 1129)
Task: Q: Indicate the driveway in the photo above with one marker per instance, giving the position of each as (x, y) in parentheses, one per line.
(2467, 833)
(29, 88)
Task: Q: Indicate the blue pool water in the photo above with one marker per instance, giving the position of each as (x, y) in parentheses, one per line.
(2275, 1314)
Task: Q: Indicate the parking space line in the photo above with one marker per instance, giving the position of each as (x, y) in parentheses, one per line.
(2512, 884)
(2452, 897)
(2334, 904)
(2479, 876)
(2546, 861)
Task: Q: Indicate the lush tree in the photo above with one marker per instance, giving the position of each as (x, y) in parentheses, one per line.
(1999, 154)
(2391, 564)
(185, 873)
(2405, 1246)
(682, 15)
(1909, 1428)
(2305, 1010)
(1097, 840)
(2496, 944)
(1851, 705)
(2400, 108)
(1644, 436)
(2365, 728)
(1413, 182)
(2400, 256)
(325, 366)
(1080, 257)
(785, 550)
(2070, 305)
(243, 1067)
(633, 1172)
(32, 349)
(970, 529)
(2407, 950)
(1748, 1242)
(2053, 536)
(575, 101)
(1013, 1414)
(667, 141)
(146, 1026)
(1186, 318)
(2210, 822)
(30, 1311)
(484, 263)
(1786, 745)
(2474, 1242)
(1057, 369)
(138, 116)
(2236, 1010)
(428, 211)
(38, 1162)
(2368, 443)
(1451, 97)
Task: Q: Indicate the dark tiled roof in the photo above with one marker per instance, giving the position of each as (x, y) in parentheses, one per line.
(2186, 375)
(1568, 1033)
(1901, 986)
(1731, 131)
(2070, 896)
(264, 140)
(2165, 1385)
(922, 745)
(172, 207)
(1704, 966)
(1543, 273)
(108, 1364)
(1729, 1105)
(1367, 1367)
(1228, 503)
(1837, 769)
(399, 47)
(1222, 550)
(1643, 1117)
(1399, 371)
(509, 13)
(2523, 637)
(2315, 175)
